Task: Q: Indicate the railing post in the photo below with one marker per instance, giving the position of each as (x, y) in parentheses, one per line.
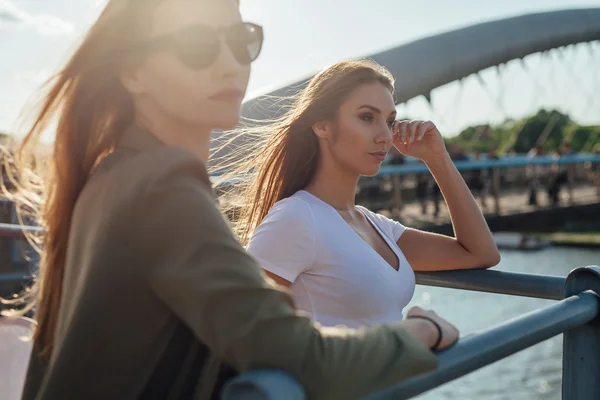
(581, 346)
(496, 189)
(571, 182)
(397, 190)
(596, 182)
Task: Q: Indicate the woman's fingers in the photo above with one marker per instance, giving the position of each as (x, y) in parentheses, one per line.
(422, 129)
(412, 130)
(401, 129)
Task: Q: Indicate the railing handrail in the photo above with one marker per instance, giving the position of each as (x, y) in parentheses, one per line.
(576, 316)
(15, 231)
(471, 352)
(15, 277)
(500, 282)
(418, 167)
(478, 350)
(508, 162)
(468, 354)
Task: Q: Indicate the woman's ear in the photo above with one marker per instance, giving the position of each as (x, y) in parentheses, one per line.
(322, 129)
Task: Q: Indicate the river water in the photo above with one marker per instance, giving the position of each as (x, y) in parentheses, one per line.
(534, 373)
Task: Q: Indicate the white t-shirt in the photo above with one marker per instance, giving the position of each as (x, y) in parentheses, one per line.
(336, 276)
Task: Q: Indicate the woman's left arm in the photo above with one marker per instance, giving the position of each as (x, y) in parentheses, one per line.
(473, 245)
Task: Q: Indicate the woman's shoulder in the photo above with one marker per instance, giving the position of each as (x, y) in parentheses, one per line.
(138, 172)
(393, 227)
(288, 231)
(293, 206)
(128, 186)
(372, 214)
(170, 165)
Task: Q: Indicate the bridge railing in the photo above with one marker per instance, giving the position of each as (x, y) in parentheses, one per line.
(501, 163)
(506, 162)
(572, 162)
(576, 316)
(510, 163)
(14, 274)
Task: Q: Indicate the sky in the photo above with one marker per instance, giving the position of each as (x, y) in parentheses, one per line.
(303, 36)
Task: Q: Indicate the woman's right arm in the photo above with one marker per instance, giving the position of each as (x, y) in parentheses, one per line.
(197, 268)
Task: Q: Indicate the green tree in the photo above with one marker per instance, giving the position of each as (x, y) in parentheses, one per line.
(545, 127)
(582, 138)
(550, 128)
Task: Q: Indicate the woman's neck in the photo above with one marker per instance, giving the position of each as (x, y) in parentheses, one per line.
(177, 133)
(335, 186)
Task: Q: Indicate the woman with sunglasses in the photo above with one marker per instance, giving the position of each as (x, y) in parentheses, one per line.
(144, 291)
(344, 264)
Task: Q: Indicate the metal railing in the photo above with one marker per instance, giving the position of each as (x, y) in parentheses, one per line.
(414, 167)
(506, 162)
(12, 231)
(572, 163)
(575, 315)
(16, 232)
(490, 281)
(395, 172)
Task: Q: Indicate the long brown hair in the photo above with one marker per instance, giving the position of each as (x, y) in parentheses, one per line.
(282, 157)
(91, 108)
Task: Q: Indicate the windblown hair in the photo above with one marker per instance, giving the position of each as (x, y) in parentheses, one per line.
(90, 107)
(278, 159)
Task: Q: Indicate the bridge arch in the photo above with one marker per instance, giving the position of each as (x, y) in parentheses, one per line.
(425, 64)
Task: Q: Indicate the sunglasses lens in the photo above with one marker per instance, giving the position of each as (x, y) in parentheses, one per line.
(245, 41)
(199, 48)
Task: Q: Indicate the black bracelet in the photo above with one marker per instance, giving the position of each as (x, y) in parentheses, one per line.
(439, 329)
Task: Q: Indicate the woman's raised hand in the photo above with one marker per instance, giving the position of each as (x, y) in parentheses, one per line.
(419, 139)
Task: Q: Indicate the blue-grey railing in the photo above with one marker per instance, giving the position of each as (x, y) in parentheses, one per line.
(504, 162)
(495, 166)
(14, 277)
(17, 232)
(516, 284)
(13, 231)
(576, 315)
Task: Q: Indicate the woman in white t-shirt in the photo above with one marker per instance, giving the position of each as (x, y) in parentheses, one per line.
(343, 263)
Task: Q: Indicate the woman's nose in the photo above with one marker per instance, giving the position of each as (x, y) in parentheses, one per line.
(227, 64)
(384, 135)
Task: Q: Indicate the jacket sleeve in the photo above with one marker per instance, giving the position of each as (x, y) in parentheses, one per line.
(195, 265)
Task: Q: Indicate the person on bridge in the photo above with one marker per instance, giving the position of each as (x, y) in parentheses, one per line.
(559, 174)
(145, 291)
(344, 264)
(535, 174)
(476, 182)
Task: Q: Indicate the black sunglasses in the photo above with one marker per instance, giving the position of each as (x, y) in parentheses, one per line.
(198, 46)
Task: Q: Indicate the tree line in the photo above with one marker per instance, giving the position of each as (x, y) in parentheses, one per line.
(550, 129)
